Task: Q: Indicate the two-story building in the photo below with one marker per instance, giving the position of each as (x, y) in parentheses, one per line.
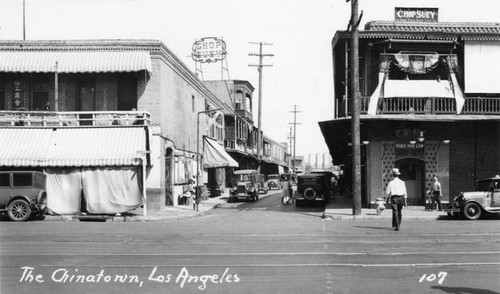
(241, 135)
(430, 105)
(113, 123)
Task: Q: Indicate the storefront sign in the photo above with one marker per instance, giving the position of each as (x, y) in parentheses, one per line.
(416, 14)
(208, 50)
(409, 150)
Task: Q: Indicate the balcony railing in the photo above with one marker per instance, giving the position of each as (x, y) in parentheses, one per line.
(73, 119)
(433, 105)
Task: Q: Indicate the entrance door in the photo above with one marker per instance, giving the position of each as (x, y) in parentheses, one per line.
(86, 103)
(87, 97)
(413, 174)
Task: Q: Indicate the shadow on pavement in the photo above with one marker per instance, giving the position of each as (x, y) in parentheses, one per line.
(464, 290)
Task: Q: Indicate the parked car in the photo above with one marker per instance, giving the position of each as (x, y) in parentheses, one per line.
(273, 182)
(262, 183)
(245, 184)
(485, 199)
(22, 193)
(330, 175)
(312, 187)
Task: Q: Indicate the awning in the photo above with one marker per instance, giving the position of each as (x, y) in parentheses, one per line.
(75, 62)
(72, 146)
(215, 156)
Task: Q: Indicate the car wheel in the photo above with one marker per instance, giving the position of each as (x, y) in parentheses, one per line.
(471, 211)
(19, 210)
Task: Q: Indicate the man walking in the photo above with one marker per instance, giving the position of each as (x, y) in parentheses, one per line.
(436, 193)
(396, 196)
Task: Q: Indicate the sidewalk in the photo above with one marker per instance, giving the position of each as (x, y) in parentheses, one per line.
(339, 208)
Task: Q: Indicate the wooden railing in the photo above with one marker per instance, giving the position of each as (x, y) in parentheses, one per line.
(73, 119)
(433, 105)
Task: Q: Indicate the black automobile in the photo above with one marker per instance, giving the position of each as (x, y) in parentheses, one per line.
(313, 187)
(22, 193)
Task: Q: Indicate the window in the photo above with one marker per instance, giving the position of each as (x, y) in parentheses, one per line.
(4, 180)
(2, 94)
(22, 180)
(192, 103)
(239, 100)
(127, 92)
(40, 92)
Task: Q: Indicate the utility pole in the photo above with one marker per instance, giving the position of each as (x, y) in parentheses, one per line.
(355, 123)
(259, 68)
(290, 138)
(24, 20)
(295, 111)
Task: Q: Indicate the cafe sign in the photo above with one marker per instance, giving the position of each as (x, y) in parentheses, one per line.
(416, 14)
(404, 150)
(208, 50)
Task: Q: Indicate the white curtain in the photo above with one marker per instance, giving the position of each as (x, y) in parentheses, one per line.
(377, 94)
(457, 91)
(112, 190)
(64, 190)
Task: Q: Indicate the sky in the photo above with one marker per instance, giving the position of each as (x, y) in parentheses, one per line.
(299, 31)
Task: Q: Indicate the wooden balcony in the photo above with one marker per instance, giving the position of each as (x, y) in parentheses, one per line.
(73, 119)
(434, 105)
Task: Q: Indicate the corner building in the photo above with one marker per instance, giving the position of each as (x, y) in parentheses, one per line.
(428, 106)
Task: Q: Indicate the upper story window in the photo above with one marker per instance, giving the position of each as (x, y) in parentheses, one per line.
(40, 92)
(192, 103)
(239, 100)
(2, 94)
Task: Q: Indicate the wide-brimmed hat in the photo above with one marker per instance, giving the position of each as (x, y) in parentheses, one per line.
(395, 171)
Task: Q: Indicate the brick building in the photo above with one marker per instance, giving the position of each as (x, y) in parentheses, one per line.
(428, 106)
(129, 108)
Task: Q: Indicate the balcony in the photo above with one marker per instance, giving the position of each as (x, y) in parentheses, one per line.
(73, 119)
(433, 105)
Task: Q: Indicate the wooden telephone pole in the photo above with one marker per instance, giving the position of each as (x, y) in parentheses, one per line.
(355, 123)
(259, 67)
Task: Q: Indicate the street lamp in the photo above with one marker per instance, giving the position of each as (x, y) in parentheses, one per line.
(198, 153)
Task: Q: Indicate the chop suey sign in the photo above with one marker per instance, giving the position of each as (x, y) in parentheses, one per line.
(416, 14)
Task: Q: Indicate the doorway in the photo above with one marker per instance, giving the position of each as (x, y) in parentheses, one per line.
(413, 174)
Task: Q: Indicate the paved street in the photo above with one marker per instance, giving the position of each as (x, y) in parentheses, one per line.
(251, 247)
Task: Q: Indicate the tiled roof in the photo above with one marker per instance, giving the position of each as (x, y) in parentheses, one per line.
(434, 27)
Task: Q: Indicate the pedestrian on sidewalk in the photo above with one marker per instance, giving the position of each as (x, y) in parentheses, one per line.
(396, 197)
(436, 193)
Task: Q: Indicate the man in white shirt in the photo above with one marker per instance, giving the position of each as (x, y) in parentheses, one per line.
(436, 193)
(396, 196)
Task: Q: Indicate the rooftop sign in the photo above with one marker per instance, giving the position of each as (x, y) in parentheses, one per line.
(416, 14)
(209, 50)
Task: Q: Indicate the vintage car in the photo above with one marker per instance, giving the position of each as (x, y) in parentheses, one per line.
(262, 183)
(485, 199)
(312, 187)
(330, 175)
(273, 182)
(22, 193)
(245, 184)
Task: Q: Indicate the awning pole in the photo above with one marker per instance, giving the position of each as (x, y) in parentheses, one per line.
(143, 159)
(56, 102)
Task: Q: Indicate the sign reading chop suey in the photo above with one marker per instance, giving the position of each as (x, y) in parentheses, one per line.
(416, 14)
(209, 50)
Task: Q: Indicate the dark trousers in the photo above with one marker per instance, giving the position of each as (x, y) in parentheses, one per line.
(435, 198)
(397, 203)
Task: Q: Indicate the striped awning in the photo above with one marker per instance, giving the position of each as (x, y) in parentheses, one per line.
(214, 155)
(72, 146)
(75, 62)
